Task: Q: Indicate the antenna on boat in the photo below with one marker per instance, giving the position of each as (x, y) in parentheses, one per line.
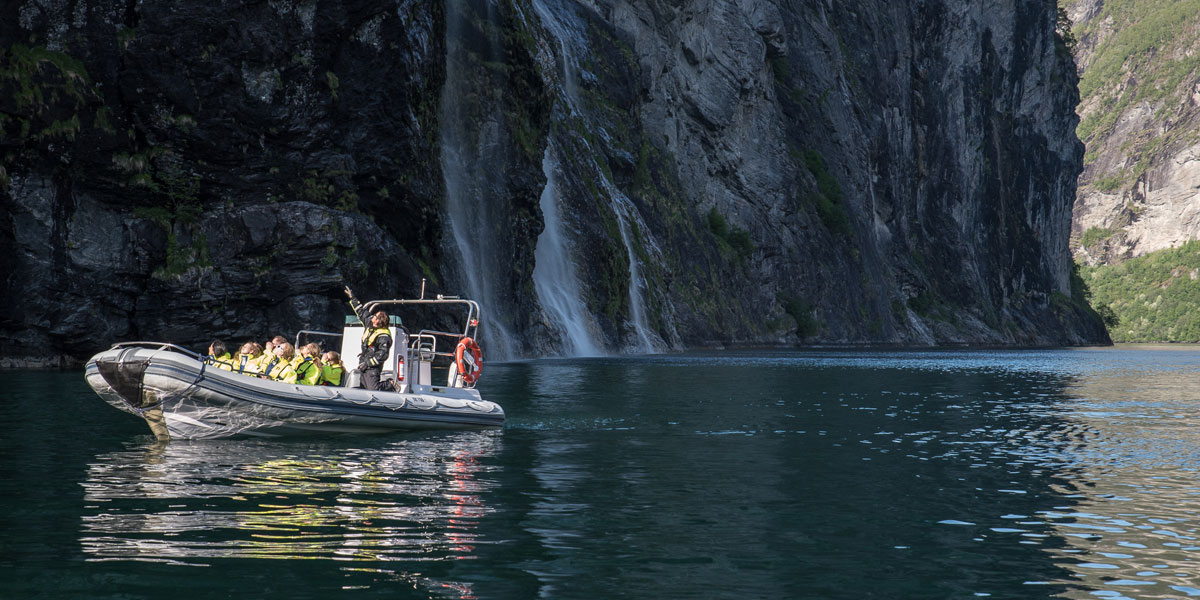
(422, 288)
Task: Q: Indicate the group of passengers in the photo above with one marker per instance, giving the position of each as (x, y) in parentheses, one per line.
(279, 360)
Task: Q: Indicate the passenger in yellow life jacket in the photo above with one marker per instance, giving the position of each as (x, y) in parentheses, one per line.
(307, 365)
(280, 367)
(299, 357)
(268, 354)
(218, 356)
(246, 362)
(331, 368)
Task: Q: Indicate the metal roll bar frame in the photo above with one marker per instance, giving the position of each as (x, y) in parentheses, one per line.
(470, 329)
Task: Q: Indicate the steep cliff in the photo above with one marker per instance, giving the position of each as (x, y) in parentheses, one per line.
(765, 172)
(1140, 188)
(831, 172)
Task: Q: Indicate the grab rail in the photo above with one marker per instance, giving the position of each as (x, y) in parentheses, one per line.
(312, 331)
(158, 346)
(472, 307)
(424, 345)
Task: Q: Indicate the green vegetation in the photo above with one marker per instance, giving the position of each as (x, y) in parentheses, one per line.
(828, 197)
(1150, 39)
(779, 65)
(45, 97)
(1111, 183)
(641, 177)
(1152, 298)
(330, 260)
(331, 79)
(1062, 31)
(526, 134)
(654, 185)
(924, 302)
(38, 78)
(1142, 29)
(802, 312)
(613, 287)
(178, 210)
(126, 36)
(735, 238)
(1081, 297)
(327, 189)
(179, 219)
(1095, 235)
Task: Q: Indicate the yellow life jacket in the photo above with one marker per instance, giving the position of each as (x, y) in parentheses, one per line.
(281, 370)
(247, 365)
(331, 374)
(369, 356)
(372, 333)
(307, 371)
(223, 361)
(263, 360)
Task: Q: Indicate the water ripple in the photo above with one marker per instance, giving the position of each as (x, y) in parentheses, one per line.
(826, 474)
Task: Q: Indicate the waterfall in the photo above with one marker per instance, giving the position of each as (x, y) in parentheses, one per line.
(646, 340)
(555, 277)
(563, 300)
(474, 161)
(570, 43)
(469, 163)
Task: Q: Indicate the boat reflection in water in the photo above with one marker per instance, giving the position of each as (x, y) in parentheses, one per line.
(1132, 528)
(416, 499)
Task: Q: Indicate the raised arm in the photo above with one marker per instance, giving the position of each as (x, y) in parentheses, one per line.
(357, 307)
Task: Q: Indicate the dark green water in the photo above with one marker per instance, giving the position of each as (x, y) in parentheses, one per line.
(1014, 474)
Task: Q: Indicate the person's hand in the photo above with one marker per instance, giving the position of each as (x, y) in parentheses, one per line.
(349, 293)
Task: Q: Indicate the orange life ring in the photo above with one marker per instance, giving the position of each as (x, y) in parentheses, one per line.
(469, 360)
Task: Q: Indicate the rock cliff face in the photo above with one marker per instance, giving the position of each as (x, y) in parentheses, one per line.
(1140, 187)
(840, 172)
(711, 172)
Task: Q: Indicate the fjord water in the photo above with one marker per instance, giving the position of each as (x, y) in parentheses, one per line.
(815, 474)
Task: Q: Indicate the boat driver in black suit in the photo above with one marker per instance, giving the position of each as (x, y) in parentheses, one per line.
(376, 344)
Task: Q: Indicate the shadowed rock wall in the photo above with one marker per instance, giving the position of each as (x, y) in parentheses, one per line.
(865, 172)
(223, 167)
(852, 173)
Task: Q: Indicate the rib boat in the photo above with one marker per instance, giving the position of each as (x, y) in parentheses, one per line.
(181, 395)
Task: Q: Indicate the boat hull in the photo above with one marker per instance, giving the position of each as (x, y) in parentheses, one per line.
(181, 397)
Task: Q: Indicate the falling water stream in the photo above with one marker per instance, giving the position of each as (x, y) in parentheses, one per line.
(555, 277)
(468, 163)
(645, 340)
(557, 284)
(469, 159)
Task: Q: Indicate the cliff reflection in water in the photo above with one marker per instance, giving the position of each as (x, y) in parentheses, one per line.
(1133, 528)
(415, 499)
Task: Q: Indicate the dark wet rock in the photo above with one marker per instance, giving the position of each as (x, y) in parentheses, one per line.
(223, 171)
(847, 173)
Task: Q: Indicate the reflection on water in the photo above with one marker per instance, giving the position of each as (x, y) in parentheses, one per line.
(412, 500)
(1133, 522)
